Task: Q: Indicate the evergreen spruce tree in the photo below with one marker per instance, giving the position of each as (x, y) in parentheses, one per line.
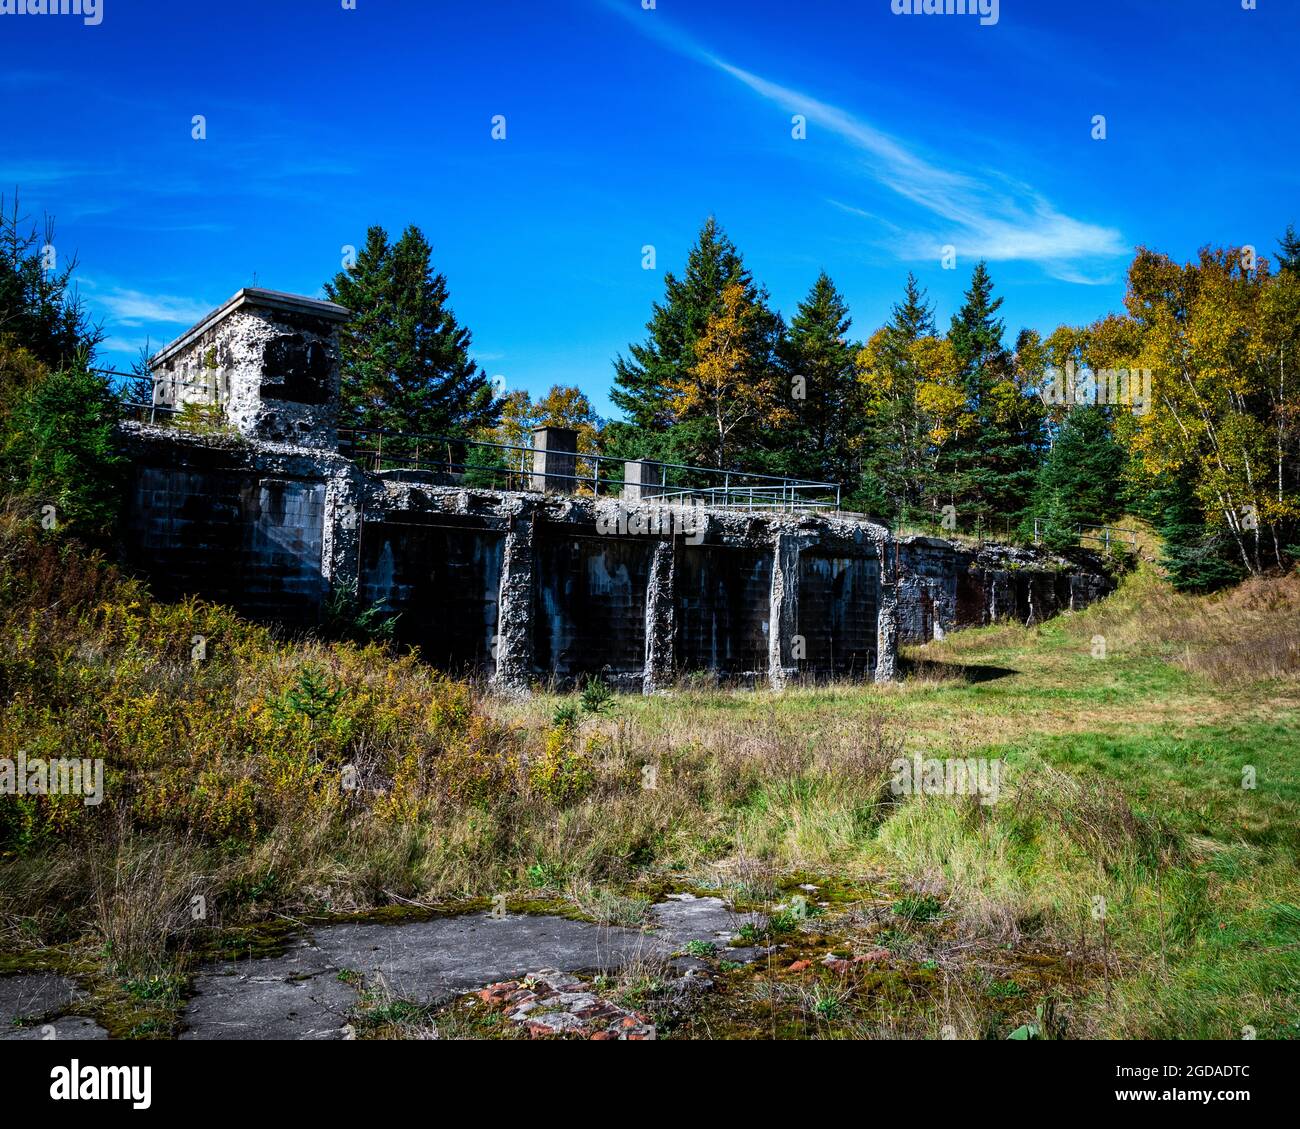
(60, 448)
(913, 317)
(39, 307)
(1080, 481)
(1197, 557)
(406, 364)
(894, 437)
(645, 379)
(819, 376)
(989, 471)
(1289, 250)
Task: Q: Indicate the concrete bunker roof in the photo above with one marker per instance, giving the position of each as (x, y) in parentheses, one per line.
(263, 299)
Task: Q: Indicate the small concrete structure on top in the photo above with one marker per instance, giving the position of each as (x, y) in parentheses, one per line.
(546, 585)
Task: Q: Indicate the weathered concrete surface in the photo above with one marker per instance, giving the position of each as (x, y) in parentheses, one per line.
(300, 995)
(268, 361)
(67, 1027)
(887, 633)
(541, 588)
(294, 996)
(514, 642)
(39, 1000)
(943, 586)
(660, 620)
(783, 622)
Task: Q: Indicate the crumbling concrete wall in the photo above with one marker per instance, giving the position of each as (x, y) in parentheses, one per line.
(244, 525)
(661, 620)
(266, 362)
(723, 598)
(943, 587)
(535, 589)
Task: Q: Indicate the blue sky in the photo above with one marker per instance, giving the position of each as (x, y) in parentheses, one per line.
(627, 127)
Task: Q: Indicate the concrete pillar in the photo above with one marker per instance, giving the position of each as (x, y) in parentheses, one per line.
(341, 531)
(887, 611)
(555, 460)
(660, 621)
(887, 633)
(514, 641)
(641, 479)
(783, 620)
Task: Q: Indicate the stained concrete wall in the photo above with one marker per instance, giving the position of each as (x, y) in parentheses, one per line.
(442, 582)
(723, 598)
(589, 606)
(251, 540)
(943, 587)
(544, 589)
(838, 599)
(268, 361)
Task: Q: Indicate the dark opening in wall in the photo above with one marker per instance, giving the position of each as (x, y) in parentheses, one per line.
(972, 608)
(251, 542)
(589, 605)
(443, 582)
(724, 599)
(295, 369)
(837, 614)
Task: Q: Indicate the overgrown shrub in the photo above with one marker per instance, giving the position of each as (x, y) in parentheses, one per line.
(60, 450)
(563, 772)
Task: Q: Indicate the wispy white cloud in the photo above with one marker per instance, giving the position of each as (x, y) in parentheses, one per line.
(980, 212)
(28, 173)
(134, 308)
(128, 345)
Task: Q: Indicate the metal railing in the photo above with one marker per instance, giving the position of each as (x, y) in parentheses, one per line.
(1103, 536)
(150, 412)
(447, 460)
(452, 461)
(1106, 535)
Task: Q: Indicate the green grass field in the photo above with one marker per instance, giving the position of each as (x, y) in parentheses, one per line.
(1124, 780)
(1136, 877)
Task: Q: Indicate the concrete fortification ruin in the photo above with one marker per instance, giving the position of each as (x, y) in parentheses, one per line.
(551, 575)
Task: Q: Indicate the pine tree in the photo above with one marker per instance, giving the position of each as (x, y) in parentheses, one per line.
(644, 381)
(139, 387)
(406, 364)
(1196, 556)
(913, 318)
(989, 470)
(820, 378)
(976, 333)
(1289, 248)
(1080, 481)
(61, 449)
(908, 379)
(39, 307)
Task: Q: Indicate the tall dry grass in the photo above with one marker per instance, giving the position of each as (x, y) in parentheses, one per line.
(268, 775)
(1234, 638)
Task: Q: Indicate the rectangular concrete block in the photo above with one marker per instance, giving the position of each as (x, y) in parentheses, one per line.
(642, 479)
(555, 462)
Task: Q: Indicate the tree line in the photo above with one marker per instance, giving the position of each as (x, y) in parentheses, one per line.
(954, 429)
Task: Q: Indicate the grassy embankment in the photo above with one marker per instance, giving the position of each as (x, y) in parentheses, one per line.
(276, 779)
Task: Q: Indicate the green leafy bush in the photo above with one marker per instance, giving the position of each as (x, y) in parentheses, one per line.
(60, 450)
